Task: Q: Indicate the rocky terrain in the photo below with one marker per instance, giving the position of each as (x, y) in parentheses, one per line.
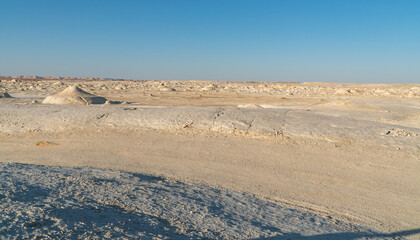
(343, 155)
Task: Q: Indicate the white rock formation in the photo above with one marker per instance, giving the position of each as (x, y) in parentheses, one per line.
(167, 89)
(249, 105)
(74, 95)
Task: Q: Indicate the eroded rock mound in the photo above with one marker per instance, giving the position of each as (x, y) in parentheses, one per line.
(74, 95)
(167, 89)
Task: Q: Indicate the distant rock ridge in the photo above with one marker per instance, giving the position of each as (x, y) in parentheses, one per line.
(22, 77)
(75, 96)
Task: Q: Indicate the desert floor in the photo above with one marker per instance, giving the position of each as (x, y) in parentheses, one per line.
(343, 155)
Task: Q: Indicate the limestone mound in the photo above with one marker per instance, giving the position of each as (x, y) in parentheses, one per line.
(210, 87)
(75, 96)
(167, 89)
(249, 105)
(4, 95)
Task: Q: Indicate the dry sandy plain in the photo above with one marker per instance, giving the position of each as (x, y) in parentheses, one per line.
(336, 156)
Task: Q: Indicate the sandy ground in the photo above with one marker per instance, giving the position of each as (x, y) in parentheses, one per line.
(347, 152)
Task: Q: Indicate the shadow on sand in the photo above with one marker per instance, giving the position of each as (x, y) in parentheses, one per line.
(345, 236)
(51, 193)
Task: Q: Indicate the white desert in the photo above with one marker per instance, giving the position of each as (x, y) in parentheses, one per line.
(215, 160)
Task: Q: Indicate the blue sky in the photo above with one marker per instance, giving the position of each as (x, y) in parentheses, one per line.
(261, 40)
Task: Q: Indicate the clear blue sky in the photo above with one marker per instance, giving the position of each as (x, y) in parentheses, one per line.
(260, 40)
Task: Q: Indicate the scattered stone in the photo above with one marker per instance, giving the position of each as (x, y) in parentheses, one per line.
(45, 144)
(398, 133)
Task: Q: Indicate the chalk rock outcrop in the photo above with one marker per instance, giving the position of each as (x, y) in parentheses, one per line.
(75, 96)
(249, 105)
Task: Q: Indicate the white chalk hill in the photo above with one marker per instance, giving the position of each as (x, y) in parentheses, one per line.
(75, 96)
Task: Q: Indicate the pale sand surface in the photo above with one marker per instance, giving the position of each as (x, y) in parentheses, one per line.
(343, 151)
